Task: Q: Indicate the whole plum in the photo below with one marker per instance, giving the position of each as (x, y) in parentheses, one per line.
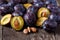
(32, 9)
(52, 8)
(50, 25)
(19, 7)
(38, 4)
(17, 13)
(35, 1)
(53, 16)
(4, 9)
(30, 19)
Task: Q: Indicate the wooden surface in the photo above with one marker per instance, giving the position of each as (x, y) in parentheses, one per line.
(10, 34)
(0, 30)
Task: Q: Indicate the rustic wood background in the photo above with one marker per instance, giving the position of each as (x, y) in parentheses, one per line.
(7, 33)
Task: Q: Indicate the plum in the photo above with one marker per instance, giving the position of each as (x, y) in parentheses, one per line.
(20, 7)
(47, 2)
(58, 19)
(3, 2)
(43, 12)
(17, 13)
(30, 19)
(35, 1)
(53, 16)
(13, 1)
(50, 25)
(32, 9)
(40, 21)
(17, 23)
(6, 19)
(11, 4)
(17, 1)
(52, 8)
(27, 5)
(4, 8)
(38, 4)
(24, 1)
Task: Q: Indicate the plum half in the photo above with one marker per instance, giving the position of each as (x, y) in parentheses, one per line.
(17, 22)
(6, 19)
(43, 12)
(40, 21)
(27, 5)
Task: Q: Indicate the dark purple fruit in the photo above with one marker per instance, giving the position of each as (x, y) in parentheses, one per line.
(18, 1)
(24, 1)
(58, 7)
(43, 0)
(14, 1)
(3, 1)
(50, 25)
(58, 19)
(53, 2)
(38, 4)
(11, 4)
(17, 13)
(30, 19)
(53, 16)
(52, 8)
(47, 2)
(19, 7)
(35, 1)
(32, 9)
(4, 8)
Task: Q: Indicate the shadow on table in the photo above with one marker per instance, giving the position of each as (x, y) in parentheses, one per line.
(57, 30)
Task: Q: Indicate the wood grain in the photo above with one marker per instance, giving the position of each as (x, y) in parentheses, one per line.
(10, 34)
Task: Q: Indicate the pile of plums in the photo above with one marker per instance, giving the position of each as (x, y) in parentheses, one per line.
(37, 13)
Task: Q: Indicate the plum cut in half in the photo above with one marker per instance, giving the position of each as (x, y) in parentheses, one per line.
(40, 21)
(43, 12)
(17, 23)
(27, 5)
(6, 19)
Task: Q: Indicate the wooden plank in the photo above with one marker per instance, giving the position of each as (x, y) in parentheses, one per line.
(57, 33)
(0, 30)
(9, 34)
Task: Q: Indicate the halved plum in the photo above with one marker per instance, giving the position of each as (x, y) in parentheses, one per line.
(27, 5)
(6, 19)
(43, 12)
(17, 22)
(40, 21)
